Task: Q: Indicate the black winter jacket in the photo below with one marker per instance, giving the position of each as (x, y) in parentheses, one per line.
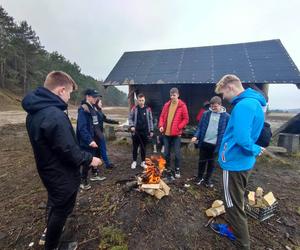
(57, 154)
(85, 129)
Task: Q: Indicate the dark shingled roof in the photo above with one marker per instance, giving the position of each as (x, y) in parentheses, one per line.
(254, 62)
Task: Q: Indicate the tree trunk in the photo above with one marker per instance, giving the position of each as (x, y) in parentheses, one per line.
(25, 75)
(2, 74)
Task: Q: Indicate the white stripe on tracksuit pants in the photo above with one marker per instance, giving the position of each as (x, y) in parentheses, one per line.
(226, 189)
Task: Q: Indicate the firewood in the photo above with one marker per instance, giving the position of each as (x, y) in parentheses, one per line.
(150, 191)
(164, 187)
(259, 192)
(159, 193)
(269, 199)
(214, 212)
(251, 198)
(217, 203)
(153, 186)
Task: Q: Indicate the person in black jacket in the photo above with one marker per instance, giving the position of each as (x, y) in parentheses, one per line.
(141, 126)
(58, 156)
(90, 133)
(209, 134)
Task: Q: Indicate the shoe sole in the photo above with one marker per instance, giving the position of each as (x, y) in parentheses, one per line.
(42, 242)
(98, 179)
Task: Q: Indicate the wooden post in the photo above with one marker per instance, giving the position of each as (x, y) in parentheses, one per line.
(265, 89)
(130, 97)
(109, 132)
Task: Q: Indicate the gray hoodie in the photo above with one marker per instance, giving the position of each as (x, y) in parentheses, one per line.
(211, 134)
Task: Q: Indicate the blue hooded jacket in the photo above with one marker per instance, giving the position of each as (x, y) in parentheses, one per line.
(238, 150)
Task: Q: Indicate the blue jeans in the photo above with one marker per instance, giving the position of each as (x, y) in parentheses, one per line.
(96, 152)
(103, 153)
(172, 142)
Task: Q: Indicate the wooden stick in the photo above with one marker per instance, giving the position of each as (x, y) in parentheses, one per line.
(86, 241)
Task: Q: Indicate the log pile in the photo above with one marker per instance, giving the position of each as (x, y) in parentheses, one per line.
(258, 199)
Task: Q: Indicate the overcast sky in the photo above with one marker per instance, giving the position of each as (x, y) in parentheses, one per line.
(95, 33)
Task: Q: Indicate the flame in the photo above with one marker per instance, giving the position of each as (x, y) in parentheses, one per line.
(155, 165)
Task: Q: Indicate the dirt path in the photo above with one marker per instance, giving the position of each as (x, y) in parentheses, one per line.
(108, 216)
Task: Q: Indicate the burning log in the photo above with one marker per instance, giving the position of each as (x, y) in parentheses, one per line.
(150, 181)
(154, 168)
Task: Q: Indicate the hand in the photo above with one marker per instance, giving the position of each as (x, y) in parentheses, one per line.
(161, 129)
(132, 129)
(93, 144)
(262, 151)
(194, 139)
(99, 104)
(96, 162)
(151, 134)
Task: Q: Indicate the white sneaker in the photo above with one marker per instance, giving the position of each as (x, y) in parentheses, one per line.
(133, 165)
(177, 174)
(97, 178)
(143, 164)
(162, 149)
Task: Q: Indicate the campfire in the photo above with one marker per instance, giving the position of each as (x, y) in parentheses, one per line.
(150, 180)
(154, 169)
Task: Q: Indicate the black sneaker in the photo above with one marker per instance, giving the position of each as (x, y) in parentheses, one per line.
(170, 178)
(199, 181)
(208, 184)
(169, 175)
(97, 177)
(43, 238)
(85, 185)
(177, 174)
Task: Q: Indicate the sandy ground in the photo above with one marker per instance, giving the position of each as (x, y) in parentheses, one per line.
(110, 217)
(19, 116)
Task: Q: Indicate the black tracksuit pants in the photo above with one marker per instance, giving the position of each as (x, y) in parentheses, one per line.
(235, 183)
(139, 139)
(207, 157)
(57, 216)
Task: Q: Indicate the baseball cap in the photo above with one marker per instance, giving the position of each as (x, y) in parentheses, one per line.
(92, 92)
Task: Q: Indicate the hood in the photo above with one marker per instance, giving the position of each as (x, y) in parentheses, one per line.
(250, 93)
(86, 102)
(42, 98)
(223, 110)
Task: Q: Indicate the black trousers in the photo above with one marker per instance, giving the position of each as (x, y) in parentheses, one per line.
(57, 216)
(86, 168)
(172, 143)
(206, 162)
(139, 139)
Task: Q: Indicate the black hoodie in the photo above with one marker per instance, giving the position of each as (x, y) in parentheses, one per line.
(57, 154)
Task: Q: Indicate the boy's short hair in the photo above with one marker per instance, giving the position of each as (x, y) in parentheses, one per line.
(215, 99)
(141, 95)
(226, 80)
(174, 91)
(57, 79)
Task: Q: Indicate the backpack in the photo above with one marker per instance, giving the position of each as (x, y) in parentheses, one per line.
(265, 136)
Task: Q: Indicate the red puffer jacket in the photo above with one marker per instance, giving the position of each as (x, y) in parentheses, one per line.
(180, 120)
